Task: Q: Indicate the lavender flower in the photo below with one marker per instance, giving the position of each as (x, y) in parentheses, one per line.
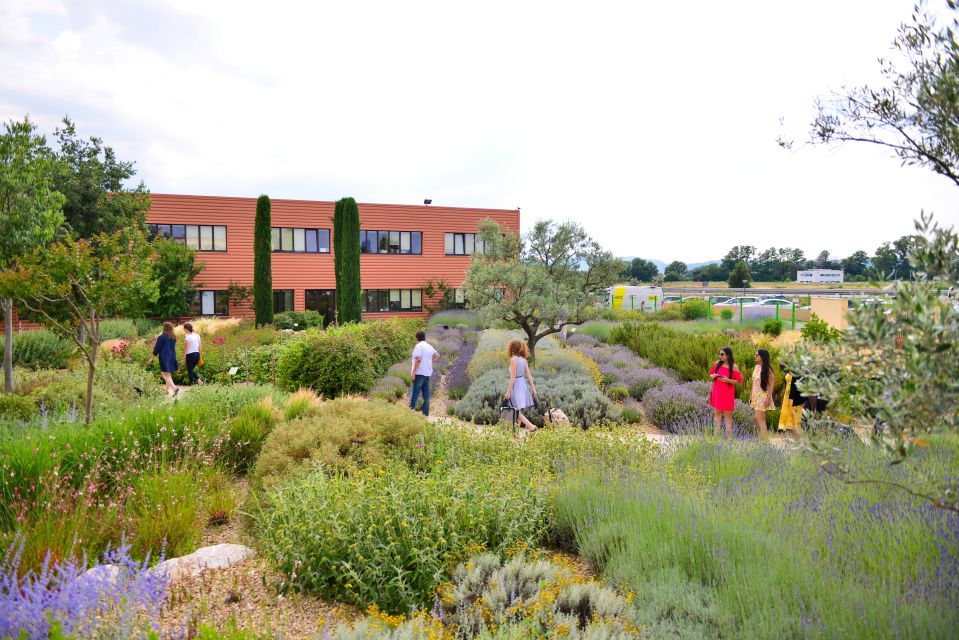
(120, 599)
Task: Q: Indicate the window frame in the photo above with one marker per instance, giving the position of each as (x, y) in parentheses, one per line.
(284, 239)
(292, 296)
(192, 235)
(390, 242)
(458, 243)
(383, 302)
(220, 298)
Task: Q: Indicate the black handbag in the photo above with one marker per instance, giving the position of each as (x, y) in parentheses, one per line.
(508, 413)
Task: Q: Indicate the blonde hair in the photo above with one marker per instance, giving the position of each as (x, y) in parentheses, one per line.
(517, 348)
(168, 330)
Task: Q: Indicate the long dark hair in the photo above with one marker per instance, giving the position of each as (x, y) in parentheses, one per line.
(729, 361)
(767, 370)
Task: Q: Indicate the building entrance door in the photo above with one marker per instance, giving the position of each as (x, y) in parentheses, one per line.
(323, 301)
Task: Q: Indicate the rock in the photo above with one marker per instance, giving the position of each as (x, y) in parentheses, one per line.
(555, 418)
(219, 556)
(100, 574)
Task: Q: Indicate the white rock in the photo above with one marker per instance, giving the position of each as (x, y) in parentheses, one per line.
(102, 574)
(219, 556)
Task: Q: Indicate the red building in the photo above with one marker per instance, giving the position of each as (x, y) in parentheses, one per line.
(403, 247)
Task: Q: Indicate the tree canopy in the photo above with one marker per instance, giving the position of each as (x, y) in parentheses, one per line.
(542, 282)
(175, 270)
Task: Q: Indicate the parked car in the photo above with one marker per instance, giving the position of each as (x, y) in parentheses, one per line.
(770, 302)
(672, 299)
(721, 301)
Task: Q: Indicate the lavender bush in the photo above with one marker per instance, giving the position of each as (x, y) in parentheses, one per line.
(120, 599)
(676, 409)
(458, 379)
(641, 381)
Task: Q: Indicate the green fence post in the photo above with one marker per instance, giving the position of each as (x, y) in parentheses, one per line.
(794, 317)
(777, 313)
(709, 307)
(740, 312)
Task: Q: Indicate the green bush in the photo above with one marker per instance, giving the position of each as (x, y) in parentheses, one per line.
(599, 329)
(772, 327)
(113, 328)
(248, 431)
(726, 314)
(117, 387)
(16, 407)
(346, 433)
(818, 330)
(694, 309)
(298, 320)
(40, 349)
(164, 513)
(389, 536)
(617, 393)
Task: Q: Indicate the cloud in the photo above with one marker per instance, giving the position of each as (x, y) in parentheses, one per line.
(654, 126)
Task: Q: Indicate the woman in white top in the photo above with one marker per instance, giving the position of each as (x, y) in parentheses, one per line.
(192, 340)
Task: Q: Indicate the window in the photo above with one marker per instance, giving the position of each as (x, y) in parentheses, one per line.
(282, 300)
(392, 300)
(323, 301)
(463, 244)
(209, 303)
(407, 242)
(199, 237)
(458, 300)
(298, 240)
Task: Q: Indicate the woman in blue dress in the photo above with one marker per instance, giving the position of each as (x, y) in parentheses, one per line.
(517, 391)
(165, 350)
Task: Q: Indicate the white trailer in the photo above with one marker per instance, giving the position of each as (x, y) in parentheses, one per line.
(629, 298)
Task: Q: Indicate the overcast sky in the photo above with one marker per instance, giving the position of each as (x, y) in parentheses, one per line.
(652, 124)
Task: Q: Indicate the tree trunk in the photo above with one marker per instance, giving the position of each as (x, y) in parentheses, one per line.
(531, 343)
(91, 373)
(7, 345)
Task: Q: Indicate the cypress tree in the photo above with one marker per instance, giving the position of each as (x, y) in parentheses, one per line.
(263, 263)
(346, 248)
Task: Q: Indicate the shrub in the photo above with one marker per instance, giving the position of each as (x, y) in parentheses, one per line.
(818, 330)
(694, 309)
(579, 339)
(113, 328)
(40, 349)
(16, 407)
(488, 361)
(632, 411)
(772, 327)
(617, 393)
(645, 379)
(302, 403)
(726, 314)
(298, 320)
(164, 512)
(401, 370)
(597, 329)
(676, 409)
(388, 536)
(389, 388)
(346, 433)
(458, 379)
(457, 318)
(248, 431)
(330, 362)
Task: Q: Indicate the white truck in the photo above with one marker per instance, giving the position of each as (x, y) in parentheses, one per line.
(630, 298)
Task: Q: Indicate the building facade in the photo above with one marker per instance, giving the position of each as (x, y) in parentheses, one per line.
(403, 247)
(832, 276)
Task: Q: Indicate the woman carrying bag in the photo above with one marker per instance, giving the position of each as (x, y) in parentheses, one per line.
(517, 390)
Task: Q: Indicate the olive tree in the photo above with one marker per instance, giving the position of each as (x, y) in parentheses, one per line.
(898, 361)
(540, 283)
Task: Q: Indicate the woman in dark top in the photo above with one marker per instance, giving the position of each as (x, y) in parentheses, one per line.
(165, 350)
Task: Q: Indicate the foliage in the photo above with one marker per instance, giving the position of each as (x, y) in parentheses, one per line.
(112, 328)
(163, 512)
(30, 210)
(772, 327)
(639, 270)
(739, 277)
(346, 433)
(539, 284)
(691, 356)
(694, 309)
(457, 318)
(388, 535)
(330, 362)
(818, 330)
(599, 329)
(263, 262)
(646, 379)
(247, 433)
(61, 600)
(175, 269)
(726, 314)
(346, 257)
(914, 111)
(717, 527)
(77, 283)
(238, 294)
(682, 409)
(437, 294)
(898, 363)
(298, 320)
(94, 184)
(40, 349)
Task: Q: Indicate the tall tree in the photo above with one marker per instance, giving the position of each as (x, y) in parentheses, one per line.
(743, 253)
(823, 261)
(542, 283)
(30, 211)
(710, 272)
(346, 257)
(676, 270)
(914, 111)
(263, 263)
(94, 181)
(857, 264)
(641, 270)
(79, 282)
(739, 277)
(175, 269)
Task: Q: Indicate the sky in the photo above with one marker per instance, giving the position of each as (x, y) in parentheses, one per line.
(654, 125)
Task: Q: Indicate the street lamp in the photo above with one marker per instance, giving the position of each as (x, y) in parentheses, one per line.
(428, 201)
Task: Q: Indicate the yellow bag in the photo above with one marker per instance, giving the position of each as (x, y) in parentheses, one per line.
(199, 362)
(790, 417)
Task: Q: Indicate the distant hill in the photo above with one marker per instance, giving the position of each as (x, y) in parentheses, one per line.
(661, 265)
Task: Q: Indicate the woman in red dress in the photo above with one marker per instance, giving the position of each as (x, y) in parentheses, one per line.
(725, 376)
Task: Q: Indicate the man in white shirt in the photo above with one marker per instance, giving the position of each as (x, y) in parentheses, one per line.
(424, 355)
